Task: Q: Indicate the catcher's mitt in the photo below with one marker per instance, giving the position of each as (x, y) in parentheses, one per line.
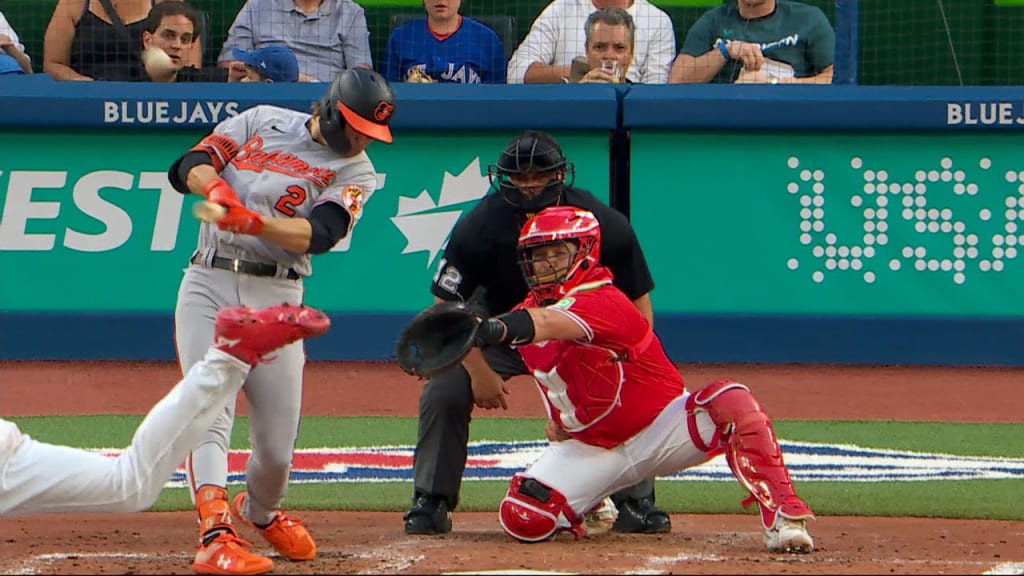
(437, 339)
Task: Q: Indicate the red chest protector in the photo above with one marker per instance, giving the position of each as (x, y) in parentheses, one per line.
(582, 383)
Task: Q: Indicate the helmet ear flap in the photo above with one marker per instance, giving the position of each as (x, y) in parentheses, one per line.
(332, 126)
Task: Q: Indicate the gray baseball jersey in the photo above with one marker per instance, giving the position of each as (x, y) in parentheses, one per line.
(268, 156)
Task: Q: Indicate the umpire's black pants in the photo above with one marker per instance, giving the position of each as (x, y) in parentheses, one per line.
(446, 405)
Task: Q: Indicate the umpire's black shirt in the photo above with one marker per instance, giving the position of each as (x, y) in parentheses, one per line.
(483, 250)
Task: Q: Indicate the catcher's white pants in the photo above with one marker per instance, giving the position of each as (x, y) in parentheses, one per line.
(41, 478)
(586, 474)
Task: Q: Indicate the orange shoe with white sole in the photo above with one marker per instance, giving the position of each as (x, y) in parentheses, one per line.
(285, 533)
(229, 554)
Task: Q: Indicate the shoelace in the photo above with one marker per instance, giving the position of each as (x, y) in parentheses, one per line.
(286, 519)
(229, 537)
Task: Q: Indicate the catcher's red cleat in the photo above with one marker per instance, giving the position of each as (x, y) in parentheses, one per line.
(251, 333)
(285, 533)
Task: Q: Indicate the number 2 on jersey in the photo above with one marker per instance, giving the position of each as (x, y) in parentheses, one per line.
(448, 277)
(295, 196)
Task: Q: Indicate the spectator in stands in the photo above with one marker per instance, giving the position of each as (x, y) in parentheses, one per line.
(94, 40)
(268, 64)
(327, 36)
(174, 27)
(759, 42)
(444, 47)
(610, 36)
(13, 59)
(558, 35)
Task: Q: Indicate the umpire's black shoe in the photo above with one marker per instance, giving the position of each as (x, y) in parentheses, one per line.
(429, 515)
(641, 517)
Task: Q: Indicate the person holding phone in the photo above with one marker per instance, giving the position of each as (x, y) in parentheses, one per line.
(609, 39)
(554, 40)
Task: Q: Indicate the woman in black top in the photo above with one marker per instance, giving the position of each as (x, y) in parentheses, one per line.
(83, 41)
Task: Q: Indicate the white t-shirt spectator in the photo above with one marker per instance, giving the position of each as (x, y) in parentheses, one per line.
(557, 36)
(7, 62)
(7, 30)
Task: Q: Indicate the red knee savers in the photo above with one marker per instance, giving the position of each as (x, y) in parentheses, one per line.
(530, 511)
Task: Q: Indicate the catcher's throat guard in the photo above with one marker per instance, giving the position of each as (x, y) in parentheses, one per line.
(437, 339)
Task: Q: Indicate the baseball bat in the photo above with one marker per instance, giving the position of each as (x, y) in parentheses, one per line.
(208, 212)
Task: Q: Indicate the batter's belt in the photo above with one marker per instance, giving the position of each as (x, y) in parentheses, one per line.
(242, 266)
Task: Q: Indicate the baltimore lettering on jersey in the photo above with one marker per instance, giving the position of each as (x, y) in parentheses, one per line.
(199, 112)
(253, 157)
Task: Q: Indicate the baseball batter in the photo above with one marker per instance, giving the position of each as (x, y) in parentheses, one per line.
(291, 185)
(41, 478)
(617, 406)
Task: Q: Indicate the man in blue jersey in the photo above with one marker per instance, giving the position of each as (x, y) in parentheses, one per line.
(444, 47)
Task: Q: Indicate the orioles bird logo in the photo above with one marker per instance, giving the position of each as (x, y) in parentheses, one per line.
(383, 111)
(354, 197)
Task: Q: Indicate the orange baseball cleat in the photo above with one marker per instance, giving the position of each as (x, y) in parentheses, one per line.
(229, 554)
(285, 533)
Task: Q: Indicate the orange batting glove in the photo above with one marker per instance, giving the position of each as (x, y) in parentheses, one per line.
(241, 220)
(217, 190)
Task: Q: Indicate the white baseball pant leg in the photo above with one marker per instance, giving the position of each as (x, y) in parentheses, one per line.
(586, 474)
(41, 478)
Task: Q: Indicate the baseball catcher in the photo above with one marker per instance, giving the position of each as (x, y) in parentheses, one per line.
(614, 396)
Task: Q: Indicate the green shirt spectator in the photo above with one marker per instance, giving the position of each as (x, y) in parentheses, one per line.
(758, 41)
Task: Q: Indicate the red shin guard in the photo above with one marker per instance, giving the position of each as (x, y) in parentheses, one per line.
(744, 433)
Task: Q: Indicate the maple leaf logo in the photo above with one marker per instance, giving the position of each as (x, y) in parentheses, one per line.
(426, 229)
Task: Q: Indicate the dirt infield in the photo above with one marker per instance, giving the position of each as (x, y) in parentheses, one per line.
(373, 543)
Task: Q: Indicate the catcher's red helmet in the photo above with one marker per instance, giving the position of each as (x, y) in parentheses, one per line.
(557, 225)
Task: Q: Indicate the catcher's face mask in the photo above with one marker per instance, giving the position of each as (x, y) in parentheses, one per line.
(551, 262)
(557, 247)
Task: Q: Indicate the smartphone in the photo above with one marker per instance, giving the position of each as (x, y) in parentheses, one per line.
(578, 69)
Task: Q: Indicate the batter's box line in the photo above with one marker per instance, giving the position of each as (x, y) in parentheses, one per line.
(1006, 568)
(39, 561)
(651, 566)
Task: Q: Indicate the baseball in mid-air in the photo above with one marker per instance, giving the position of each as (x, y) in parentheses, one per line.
(158, 64)
(208, 211)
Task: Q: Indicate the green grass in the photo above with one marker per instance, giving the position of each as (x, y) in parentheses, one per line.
(994, 499)
(1005, 440)
(990, 499)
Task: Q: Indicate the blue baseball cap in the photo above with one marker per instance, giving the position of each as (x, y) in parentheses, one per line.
(8, 65)
(275, 62)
